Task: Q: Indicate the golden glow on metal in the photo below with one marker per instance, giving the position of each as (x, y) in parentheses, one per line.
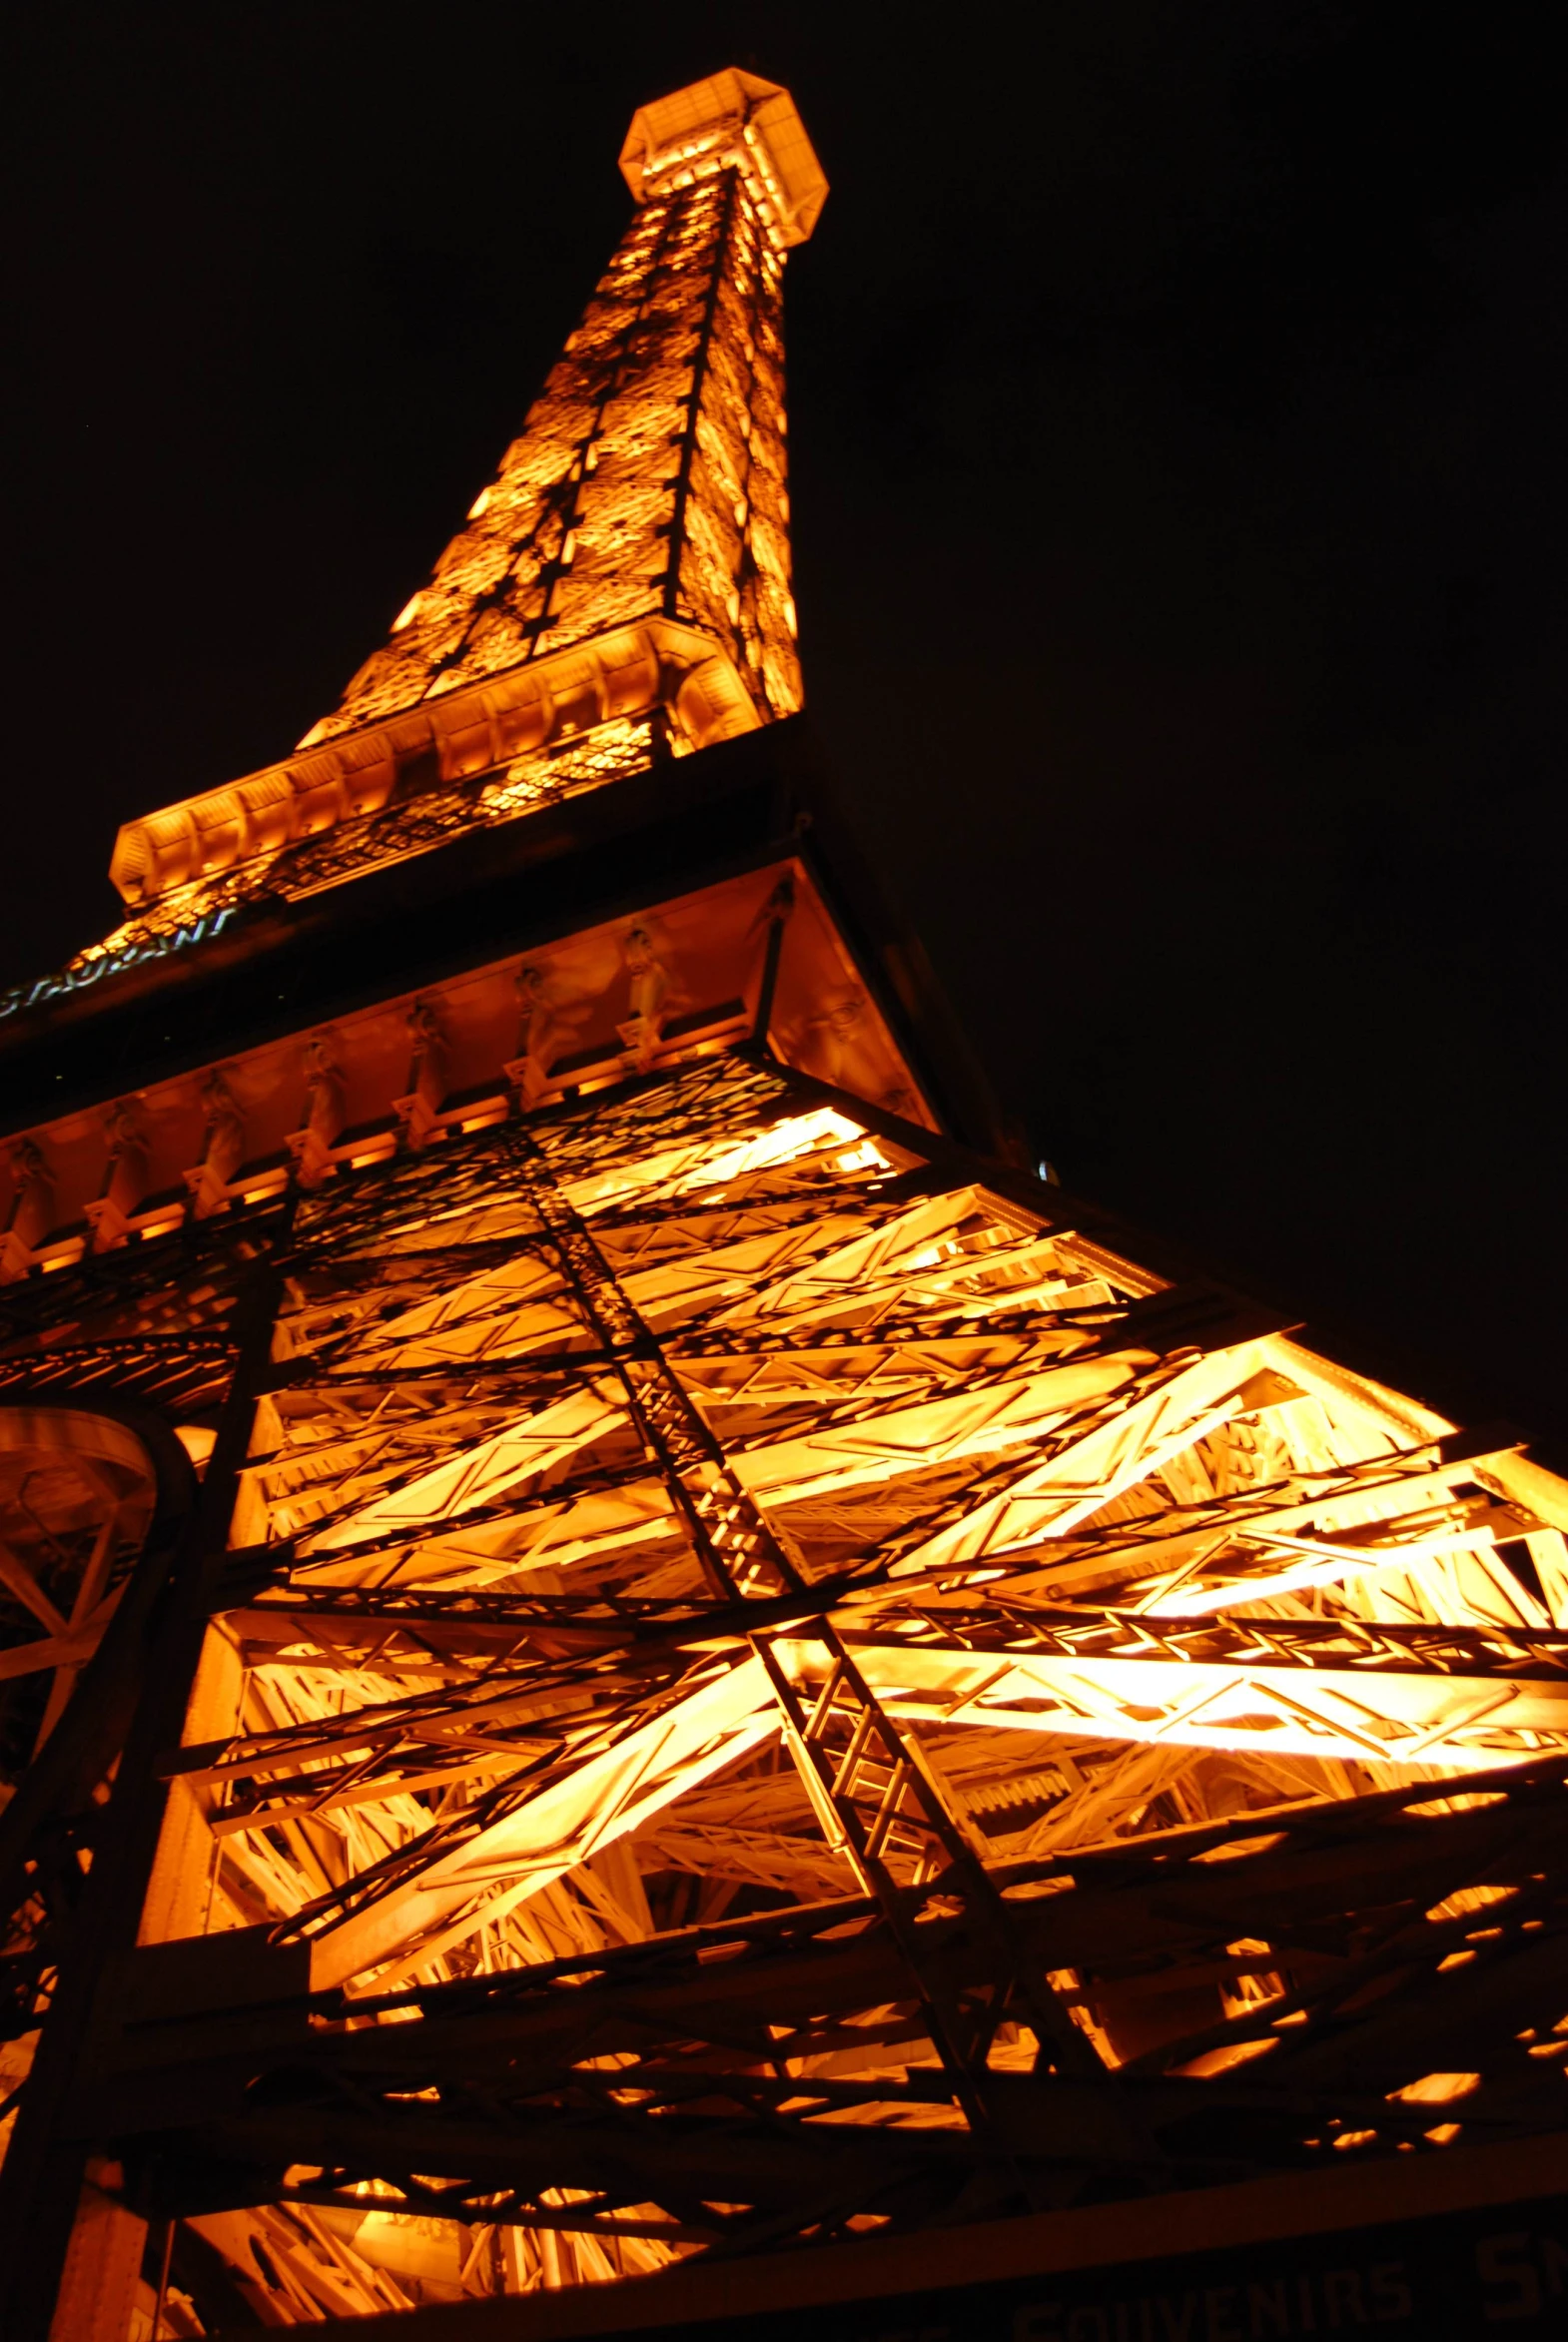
(765, 1679)
(698, 1503)
(681, 982)
(733, 120)
(630, 560)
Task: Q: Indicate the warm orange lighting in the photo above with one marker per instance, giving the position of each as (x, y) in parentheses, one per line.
(731, 1623)
(639, 521)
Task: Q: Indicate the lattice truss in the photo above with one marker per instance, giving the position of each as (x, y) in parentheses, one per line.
(763, 1688)
(86, 1360)
(620, 594)
(647, 480)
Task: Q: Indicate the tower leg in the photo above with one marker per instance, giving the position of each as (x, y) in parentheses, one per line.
(104, 2261)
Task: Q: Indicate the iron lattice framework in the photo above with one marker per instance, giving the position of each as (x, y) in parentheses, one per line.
(642, 1658)
(619, 594)
(760, 1687)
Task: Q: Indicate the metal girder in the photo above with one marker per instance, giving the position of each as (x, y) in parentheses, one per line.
(773, 2033)
(876, 1793)
(669, 1508)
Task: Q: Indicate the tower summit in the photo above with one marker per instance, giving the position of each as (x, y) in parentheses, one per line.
(625, 572)
(623, 1652)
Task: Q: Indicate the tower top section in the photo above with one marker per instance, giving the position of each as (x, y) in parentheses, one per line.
(731, 118)
(620, 590)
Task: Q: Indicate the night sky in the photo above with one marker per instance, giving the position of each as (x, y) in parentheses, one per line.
(1177, 417)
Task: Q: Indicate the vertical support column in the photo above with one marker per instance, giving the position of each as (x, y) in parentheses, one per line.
(699, 368)
(778, 911)
(70, 2254)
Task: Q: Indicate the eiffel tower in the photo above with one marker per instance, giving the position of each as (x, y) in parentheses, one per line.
(633, 1671)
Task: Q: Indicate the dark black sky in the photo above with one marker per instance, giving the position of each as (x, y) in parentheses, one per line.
(1176, 413)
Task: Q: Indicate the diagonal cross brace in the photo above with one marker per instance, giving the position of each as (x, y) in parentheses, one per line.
(881, 1766)
(738, 1551)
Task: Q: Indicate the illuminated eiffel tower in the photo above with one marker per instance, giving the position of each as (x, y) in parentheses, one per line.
(624, 1652)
